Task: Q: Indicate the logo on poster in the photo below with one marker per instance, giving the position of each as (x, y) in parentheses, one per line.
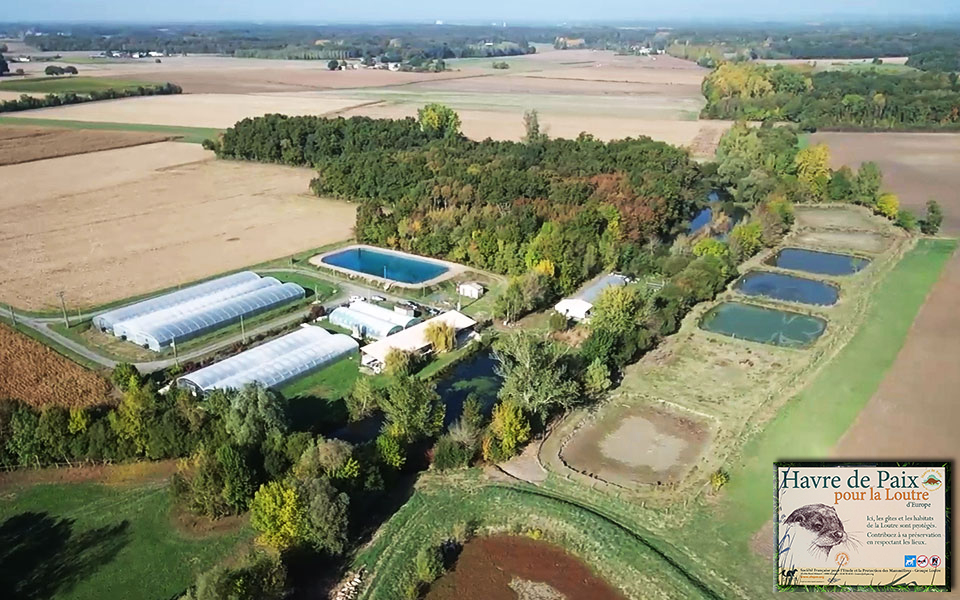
(921, 561)
(842, 559)
(932, 480)
(910, 560)
(934, 561)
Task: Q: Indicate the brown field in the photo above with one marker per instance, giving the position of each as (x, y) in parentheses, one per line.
(25, 144)
(191, 110)
(647, 445)
(36, 375)
(574, 91)
(119, 223)
(511, 568)
(916, 166)
(200, 74)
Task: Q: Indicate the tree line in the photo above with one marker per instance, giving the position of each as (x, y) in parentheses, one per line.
(28, 102)
(864, 99)
(570, 208)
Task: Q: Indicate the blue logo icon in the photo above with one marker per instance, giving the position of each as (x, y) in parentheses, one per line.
(910, 560)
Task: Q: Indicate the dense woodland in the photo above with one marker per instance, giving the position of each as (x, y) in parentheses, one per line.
(867, 99)
(393, 43)
(814, 41)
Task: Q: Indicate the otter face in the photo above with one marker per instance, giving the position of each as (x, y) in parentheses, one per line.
(822, 523)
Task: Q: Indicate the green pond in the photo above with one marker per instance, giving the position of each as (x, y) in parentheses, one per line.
(766, 325)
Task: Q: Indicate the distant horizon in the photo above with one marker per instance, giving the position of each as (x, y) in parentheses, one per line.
(612, 13)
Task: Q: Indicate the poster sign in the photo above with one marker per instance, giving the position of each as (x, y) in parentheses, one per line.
(866, 526)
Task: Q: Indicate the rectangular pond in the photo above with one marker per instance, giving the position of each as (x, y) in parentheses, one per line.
(395, 266)
(787, 287)
(765, 325)
(820, 263)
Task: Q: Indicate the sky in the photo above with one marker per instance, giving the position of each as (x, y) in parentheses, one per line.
(460, 11)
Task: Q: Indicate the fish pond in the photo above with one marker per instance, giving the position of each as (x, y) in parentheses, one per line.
(820, 263)
(765, 325)
(395, 266)
(787, 287)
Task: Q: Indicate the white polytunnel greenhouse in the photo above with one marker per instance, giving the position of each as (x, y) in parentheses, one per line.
(158, 330)
(363, 324)
(384, 314)
(274, 363)
(106, 321)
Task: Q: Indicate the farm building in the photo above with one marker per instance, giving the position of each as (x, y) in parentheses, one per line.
(470, 289)
(414, 339)
(106, 321)
(370, 320)
(274, 363)
(578, 307)
(158, 329)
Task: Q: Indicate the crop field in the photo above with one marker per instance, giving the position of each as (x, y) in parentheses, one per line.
(36, 375)
(726, 386)
(24, 144)
(598, 92)
(122, 223)
(191, 110)
(916, 166)
(193, 135)
(836, 218)
(87, 541)
(61, 85)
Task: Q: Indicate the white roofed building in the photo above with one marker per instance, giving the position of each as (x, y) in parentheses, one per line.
(578, 306)
(414, 339)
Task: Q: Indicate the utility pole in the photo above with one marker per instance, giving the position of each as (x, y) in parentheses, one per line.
(176, 358)
(13, 316)
(243, 333)
(63, 307)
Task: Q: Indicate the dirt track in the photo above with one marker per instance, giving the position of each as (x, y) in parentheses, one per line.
(119, 223)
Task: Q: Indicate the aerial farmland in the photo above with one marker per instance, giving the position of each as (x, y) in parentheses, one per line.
(460, 311)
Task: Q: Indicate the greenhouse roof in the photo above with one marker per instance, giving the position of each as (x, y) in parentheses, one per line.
(108, 319)
(163, 327)
(276, 362)
(367, 325)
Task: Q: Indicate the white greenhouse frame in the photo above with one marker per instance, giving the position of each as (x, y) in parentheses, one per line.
(107, 320)
(363, 324)
(281, 360)
(155, 331)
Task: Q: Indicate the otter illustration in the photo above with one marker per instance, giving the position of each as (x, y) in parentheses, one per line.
(822, 527)
(932, 480)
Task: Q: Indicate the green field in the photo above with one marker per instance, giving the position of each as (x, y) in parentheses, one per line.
(77, 85)
(90, 541)
(194, 135)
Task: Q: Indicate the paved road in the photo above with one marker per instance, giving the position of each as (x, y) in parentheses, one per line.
(346, 289)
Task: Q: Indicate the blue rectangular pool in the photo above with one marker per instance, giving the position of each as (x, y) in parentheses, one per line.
(388, 265)
(787, 287)
(820, 263)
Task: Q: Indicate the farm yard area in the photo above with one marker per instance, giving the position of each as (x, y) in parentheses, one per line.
(152, 217)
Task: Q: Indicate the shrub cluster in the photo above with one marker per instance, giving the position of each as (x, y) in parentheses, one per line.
(28, 102)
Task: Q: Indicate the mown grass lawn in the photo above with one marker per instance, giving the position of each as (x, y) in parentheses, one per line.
(87, 541)
(77, 85)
